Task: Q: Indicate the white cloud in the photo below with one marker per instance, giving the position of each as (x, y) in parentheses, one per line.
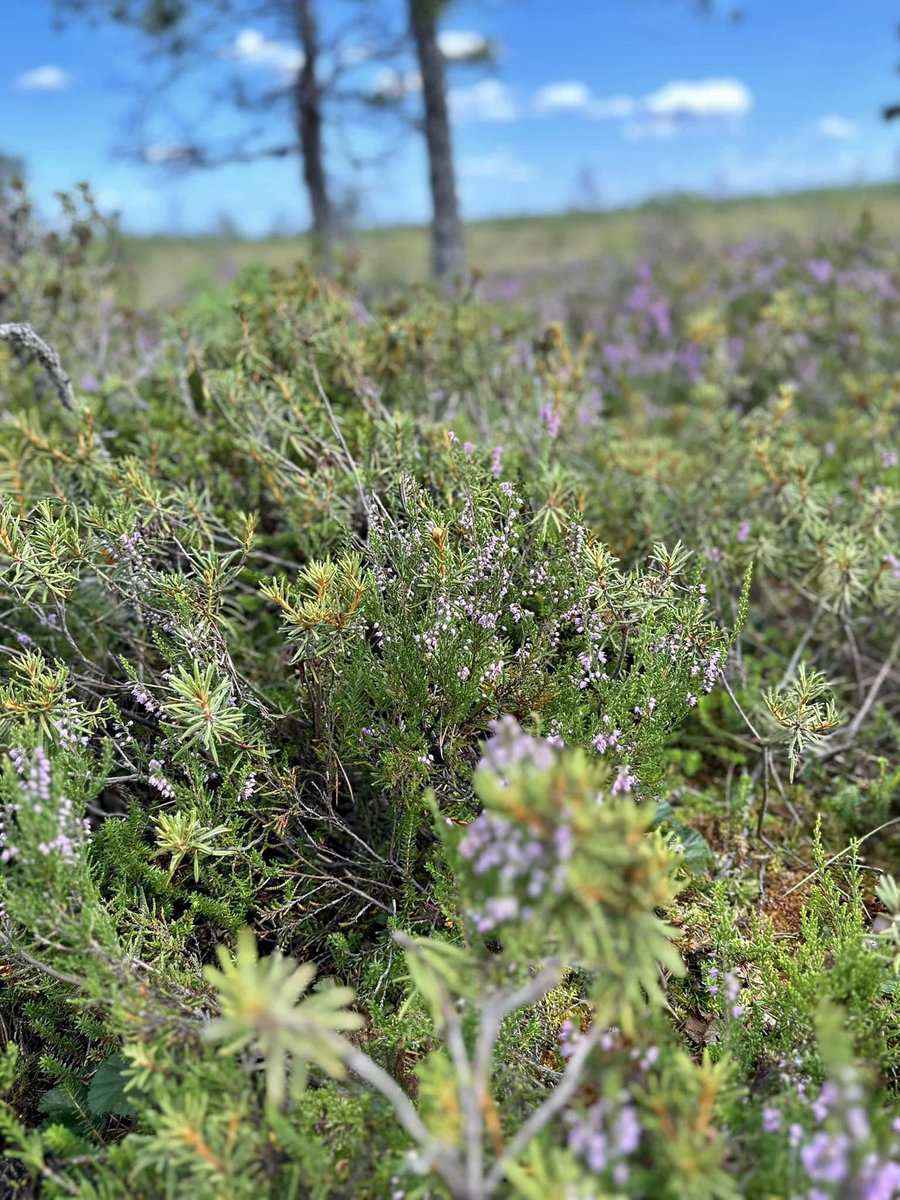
(43, 79)
(575, 96)
(612, 108)
(489, 100)
(500, 164)
(699, 99)
(570, 96)
(251, 46)
(662, 113)
(688, 104)
(838, 128)
(459, 45)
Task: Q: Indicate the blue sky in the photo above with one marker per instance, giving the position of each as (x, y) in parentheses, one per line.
(643, 95)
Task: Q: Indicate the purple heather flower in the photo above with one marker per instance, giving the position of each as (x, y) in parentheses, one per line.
(497, 910)
(857, 1122)
(38, 779)
(606, 739)
(568, 1035)
(878, 1180)
(145, 700)
(624, 781)
(510, 746)
(820, 269)
(828, 1098)
(735, 349)
(523, 868)
(157, 780)
(504, 290)
(497, 462)
(617, 354)
(826, 1159)
(771, 1119)
(550, 419)
(605, 1136)
(889, 458)
(69, 831)
(691, 359)
(627, 1130)
(649, 1057)
(743, 531)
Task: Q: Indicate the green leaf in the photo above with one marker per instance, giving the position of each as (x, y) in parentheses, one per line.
(59, 1104)
(106, 1093)
(695, 849)
(66, 1105)
(663, 813)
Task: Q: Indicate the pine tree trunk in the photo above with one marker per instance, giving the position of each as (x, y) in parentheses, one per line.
(309, 128)
(448, 250)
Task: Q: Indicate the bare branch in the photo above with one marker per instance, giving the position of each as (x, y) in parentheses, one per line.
(555, 1102)
(442, 1156)
(24, 336)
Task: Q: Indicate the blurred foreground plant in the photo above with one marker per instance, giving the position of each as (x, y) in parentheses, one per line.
(569, 873)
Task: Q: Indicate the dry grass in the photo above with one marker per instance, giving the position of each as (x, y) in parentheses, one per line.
(169, 269)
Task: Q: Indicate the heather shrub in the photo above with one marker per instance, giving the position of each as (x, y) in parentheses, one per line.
(528, 690)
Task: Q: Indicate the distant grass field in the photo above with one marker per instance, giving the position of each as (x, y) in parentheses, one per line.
(168, 270)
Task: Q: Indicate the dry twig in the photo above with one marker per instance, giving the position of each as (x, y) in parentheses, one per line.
(24, 336)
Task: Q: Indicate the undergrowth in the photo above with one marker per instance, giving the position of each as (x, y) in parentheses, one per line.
(532, 686)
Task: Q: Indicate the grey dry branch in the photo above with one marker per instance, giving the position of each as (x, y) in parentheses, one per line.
(23, 335)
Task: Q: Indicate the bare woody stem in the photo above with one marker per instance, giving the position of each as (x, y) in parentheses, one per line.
(438, 1154)
(24, 336)
(463, 1171)
(542, 1116)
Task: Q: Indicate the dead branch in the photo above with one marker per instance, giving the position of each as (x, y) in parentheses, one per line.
(24, 336)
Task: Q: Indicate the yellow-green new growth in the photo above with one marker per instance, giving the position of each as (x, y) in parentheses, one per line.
(262, 1011)
(181, 834)
(204, 706)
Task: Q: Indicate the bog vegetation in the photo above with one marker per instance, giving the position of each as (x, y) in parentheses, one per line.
(449, 752)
